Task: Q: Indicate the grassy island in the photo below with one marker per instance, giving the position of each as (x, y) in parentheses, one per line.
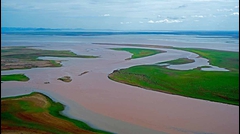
(65, 79)
(14, 77)
(19, 57)
(36, 113)
(215, 86)
(224, 59)
(178, 61)
(139, 52)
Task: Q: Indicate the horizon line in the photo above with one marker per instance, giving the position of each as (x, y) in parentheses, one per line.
(44, 28)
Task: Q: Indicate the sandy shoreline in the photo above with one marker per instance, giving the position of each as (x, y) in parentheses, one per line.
(144, 111)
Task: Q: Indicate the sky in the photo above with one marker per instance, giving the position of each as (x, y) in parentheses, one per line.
(122, 14)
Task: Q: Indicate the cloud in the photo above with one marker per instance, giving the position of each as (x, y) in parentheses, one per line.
(128, 22)
(224, 10)
(197, 16)
(182, 6)
(235, 13)
(165, 21)
(169, 21)
(151, 21)
(211, 15)
(176, 18)
(209, 0)
(106, 15)
(143, 14)
(183, 17)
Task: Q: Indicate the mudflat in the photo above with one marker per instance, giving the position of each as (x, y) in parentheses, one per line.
(21, 57)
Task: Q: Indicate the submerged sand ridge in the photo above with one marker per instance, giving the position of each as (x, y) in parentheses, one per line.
(149, 109)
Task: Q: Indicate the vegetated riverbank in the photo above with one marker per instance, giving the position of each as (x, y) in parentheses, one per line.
(178, 61)
(208, 85)
(224, 59)
(14, 77)
(37, 113)
(65, 79)
(139, 52)
(20, 57)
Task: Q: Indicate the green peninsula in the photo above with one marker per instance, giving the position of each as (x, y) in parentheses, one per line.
(139, 52)
(20, 57)
(14, 77)
(36, 113)
(218, 86)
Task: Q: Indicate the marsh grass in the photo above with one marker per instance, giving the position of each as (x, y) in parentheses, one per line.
(20, 57)
(37, 113)
(14, 77)
(178, 61)
(65, 79)
(218, 86)
(224, 59)
(138, 52)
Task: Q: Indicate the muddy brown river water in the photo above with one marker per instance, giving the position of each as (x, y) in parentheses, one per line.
(121, 108)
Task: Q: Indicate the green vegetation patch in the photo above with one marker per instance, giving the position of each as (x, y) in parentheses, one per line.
(218, 86)
(85, 72)
(21, 52)
(208, 85)
(19, 57)
(37, 113)
(224, 59)
(178, 61)
(138, 52)
(65, 79)
(14, 77)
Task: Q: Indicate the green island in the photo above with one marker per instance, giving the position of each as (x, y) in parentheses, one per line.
(65, 79)
(14, 77)
(178, 61)
(21, 57)
(218, 86)
(139, 52)
(36, 113)
(85, 72)
(224, 59)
